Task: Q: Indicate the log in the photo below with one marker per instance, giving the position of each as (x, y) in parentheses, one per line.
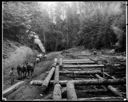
(87, 82)
(91, 91)
(71, 93)
(84, 66)
(57, 92)
(109, 75)
(12, 88)
(47, 79)
(79, 62)
(114, 90)
(56, 76)
(111, 88)
(94, 82)
(75, 60)
(61, 61)
(55, 62)
(36, 82)
(88, 99)
(80, 72)
(49, 76)
(50, 95)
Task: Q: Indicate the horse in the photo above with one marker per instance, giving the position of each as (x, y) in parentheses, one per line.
(20, 71)
(30, 68)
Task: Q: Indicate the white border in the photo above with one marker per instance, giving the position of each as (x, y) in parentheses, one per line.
(126, 55)
(126, 51)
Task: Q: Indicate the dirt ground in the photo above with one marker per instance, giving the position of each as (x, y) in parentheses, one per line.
(27, 91)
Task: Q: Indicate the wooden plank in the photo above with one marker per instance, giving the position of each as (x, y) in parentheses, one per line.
(84, 66)
(111, 88)
(88, 99)
(12, 88)
(57, 92)
(71, 93)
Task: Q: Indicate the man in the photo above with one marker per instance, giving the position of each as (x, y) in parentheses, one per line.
(11, 74)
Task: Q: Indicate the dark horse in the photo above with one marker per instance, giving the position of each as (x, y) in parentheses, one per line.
(22, 71)
(30, 68)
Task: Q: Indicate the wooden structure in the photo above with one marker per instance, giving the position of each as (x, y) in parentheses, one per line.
(70, 89)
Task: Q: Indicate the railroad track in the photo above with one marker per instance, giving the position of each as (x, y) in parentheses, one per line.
(80, 80)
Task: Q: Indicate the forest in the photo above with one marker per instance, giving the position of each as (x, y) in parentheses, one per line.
(63, 25)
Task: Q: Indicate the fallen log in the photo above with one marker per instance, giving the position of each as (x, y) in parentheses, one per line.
(80, 72)
(47, 79)
(49, 76)
(109, 75)
(56, 75)
(57, 92)
(50, 95)
(88, 99)
(36, 82)
(71, 93)
(84, 66)
(75, 60)
(12, 88)
(87, 82)
(61, 61)
(111, 88)
(95, 82)
(79, 62)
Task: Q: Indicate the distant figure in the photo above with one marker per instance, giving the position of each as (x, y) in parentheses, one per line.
(11, 74)
(37, 60)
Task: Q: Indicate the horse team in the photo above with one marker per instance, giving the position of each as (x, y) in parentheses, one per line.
(26, 69)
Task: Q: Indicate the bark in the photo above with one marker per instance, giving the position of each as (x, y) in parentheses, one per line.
(48, 78)
(87, 82)
(84, 66)
(79, 62)
(61, 61)
(111, 88)
(57, 92)
(12, 88)
(80, 72)
(88, 99)
(71, 93)
(56, 77)
(95, 82)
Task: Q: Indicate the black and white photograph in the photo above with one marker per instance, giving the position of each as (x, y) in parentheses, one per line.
(64, 51)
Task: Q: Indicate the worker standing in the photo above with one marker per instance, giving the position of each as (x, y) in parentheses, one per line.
(11, 74)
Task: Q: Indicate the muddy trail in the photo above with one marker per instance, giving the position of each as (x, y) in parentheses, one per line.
(71, 69)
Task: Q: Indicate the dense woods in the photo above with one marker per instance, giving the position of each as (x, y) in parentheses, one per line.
(64, 25)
